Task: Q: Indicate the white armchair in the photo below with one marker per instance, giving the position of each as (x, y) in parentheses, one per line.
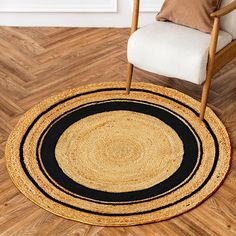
(177, 51)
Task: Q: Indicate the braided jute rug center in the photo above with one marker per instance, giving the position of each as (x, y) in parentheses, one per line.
(99, 156)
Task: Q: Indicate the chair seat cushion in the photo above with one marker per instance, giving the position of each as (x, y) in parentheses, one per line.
(173, 50)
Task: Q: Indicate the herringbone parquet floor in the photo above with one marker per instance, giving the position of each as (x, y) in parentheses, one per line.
(38, 62)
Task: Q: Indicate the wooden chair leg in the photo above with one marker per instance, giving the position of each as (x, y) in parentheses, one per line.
(134, 27)
(205, 93)
(129, 77)
(210, 66)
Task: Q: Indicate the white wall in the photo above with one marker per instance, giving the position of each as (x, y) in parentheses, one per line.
(77, 13)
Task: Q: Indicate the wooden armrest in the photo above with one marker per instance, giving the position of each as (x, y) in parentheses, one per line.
(224, 10)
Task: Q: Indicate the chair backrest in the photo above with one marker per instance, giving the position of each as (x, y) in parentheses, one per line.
(228, 22)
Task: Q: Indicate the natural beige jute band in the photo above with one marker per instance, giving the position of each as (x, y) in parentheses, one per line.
(99, 156)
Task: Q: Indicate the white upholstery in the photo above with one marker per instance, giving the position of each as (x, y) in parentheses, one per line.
(228, 22)
(172, 50)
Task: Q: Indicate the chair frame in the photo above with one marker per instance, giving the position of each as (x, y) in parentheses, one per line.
(216, 61)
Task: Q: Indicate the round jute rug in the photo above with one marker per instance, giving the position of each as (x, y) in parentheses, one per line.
(99, 156)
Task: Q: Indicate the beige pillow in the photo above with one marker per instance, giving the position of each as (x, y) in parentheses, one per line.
(191, 13)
